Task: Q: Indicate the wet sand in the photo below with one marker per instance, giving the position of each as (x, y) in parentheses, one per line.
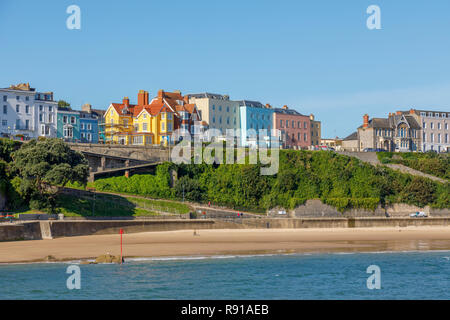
(223, 242)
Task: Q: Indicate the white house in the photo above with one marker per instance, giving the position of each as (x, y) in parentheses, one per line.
(25, 112)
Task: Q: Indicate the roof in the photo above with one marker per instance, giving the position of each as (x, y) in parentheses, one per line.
(392, 121)
(288, 111)
(249, 103)
(209, 95)
(353, 136)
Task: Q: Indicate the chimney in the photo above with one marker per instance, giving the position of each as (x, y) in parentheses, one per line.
(160, 94)
(141, 98)
(126, 101)
(412, 111)
(146, 98)
(365, 120)
(399, 113)
(268, 106)
(311, 117)
(177, 91)
(285, 107)
(86, 108)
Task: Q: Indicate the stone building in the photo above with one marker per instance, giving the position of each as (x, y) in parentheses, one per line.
(399, 132)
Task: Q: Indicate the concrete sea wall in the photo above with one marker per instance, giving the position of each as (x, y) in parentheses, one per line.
(51, 229)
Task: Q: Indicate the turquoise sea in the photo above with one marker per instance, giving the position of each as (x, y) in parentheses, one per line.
(404, 275)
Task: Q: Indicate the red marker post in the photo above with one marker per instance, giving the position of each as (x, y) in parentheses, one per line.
(121, 233)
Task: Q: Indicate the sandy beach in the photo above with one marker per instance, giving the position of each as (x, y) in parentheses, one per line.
(236, 241)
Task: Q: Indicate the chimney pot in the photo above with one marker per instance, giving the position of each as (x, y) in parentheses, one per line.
(365, 120)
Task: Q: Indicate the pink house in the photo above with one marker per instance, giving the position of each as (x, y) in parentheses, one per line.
(294, 128)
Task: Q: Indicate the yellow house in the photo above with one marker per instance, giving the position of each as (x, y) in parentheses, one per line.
(141, 124)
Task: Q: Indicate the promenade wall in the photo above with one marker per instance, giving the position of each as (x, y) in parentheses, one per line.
(51, 229)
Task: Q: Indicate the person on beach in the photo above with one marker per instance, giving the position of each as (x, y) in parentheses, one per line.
(209, 204)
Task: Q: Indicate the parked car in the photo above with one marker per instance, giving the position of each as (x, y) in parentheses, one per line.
(419, 214)
(380, 150)
(368, 150)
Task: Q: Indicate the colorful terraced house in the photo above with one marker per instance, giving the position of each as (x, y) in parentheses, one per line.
(149, 123)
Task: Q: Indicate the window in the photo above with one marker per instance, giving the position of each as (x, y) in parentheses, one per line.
(5, 109)
(82, 126)
(424, 137)
(169, 126)
(65, 119)
(138, 140)
(17, 98)
(299, 125)
(17, 108)
(228, 120)
(50, 118)
(424, 125)
(169, 116)
(446, 138)
(163, 115)
(40, 117)
(72, 120)
(446, 126)
(145, 127)
(27, 109)
(214, 119)
(305, 125)
(27, 124)
(299, 136)
(431, 125)
(439, 138)
(5, 98)
(42, 130)
(293, 124)
(423, 114)
(4, 123)
(125, 123)
(305, 136)
(439, 125)
(83, 135)
(89, 137)
(18, 124)
(228, 109)
(432, 137)
(281, 123)
(89, 127)
(163, 126)
(220, 108)
(50, 108)
(27, 98)
(287, 123)
(220, 120)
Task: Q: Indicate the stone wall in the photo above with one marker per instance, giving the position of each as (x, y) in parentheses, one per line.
(145, 153)
(314, 208)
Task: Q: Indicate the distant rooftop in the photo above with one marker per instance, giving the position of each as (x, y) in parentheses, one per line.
(209, 95)
(253, 104)
(288, 111)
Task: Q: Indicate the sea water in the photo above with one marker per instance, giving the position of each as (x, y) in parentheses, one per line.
(403, 275)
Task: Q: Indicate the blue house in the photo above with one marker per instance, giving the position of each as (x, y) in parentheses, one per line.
(255, 116)
(68, 124)
(89, 124)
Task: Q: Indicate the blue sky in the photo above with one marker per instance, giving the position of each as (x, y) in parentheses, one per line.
(315, 56)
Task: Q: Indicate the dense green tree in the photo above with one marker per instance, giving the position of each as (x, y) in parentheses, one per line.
(62, 103)
(46, 166)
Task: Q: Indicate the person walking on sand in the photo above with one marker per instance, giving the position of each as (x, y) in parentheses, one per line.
(209, 204)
